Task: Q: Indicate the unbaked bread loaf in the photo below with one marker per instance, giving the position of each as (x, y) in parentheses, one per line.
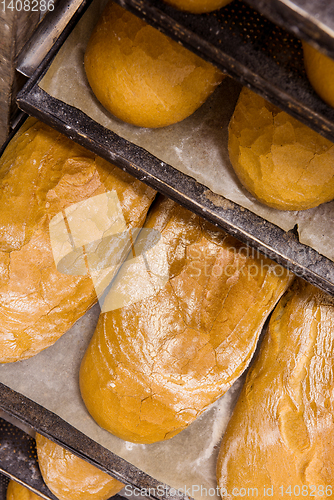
(279, 441)
(282, 162)
(153, 366)
(70, 477)
(198, 6)
(320, 71)
(140, 75)
(15, 491)
(42, 174)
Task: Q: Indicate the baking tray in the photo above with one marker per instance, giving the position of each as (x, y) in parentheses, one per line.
(269, 239)
(307, 19)
(237, 39)
(18, 456)
(249, 48)
(18, 461)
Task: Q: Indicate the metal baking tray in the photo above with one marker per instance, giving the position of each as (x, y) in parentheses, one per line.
(18, 461)
(237, 39)
(282, 247)
(249, 48)
(18, 457)
(312, 21)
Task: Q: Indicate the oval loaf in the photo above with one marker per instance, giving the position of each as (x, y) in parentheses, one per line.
(152, 367)
(42, 173)
(281, 435)
(278, 159)
(141, 75)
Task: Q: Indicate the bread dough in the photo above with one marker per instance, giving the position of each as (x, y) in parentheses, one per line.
(16, 491)
(198, 6)
(320, 72)
(282, 162)
(70, 477)
(42, 175)
(140, 75)
(155, 365)
(279, 441)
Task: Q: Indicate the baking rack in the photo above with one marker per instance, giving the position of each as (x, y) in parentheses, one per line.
(248, 47)
(18, 457)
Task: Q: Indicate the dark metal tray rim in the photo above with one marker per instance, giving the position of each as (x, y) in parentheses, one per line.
(272, 241)
(55, 428)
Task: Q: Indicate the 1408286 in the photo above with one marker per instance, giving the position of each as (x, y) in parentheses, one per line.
(27, 5)
(306, 490)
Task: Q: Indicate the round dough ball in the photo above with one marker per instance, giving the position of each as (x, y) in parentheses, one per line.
(198, 6)
(70, 477)
(320, 72)
(282, 162)
(140, 75)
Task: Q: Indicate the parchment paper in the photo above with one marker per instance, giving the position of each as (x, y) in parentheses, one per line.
(186, 461)
(196, 146)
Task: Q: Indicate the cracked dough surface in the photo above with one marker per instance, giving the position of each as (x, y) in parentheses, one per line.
(140, 75)
(281, 432)
(154, 366)
(41, 174)
(282, 162)
(69, 477)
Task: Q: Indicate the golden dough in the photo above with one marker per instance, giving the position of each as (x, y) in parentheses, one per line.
(281, 434)
(16, 491)
(70, 477)
(152, 367)
(140, 75)
(41, 174)
(320, 72)
(198, 6)
(282, 162)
